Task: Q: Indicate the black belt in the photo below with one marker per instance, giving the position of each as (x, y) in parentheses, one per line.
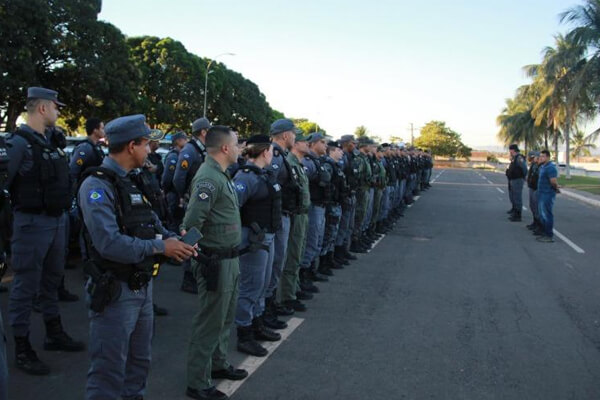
(41, 211)
(221, 254)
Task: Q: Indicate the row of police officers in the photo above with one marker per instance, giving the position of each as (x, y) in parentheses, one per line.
(266, 225)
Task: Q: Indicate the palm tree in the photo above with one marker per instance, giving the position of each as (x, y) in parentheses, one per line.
(516, 121)
(582, 144)
(361, 131)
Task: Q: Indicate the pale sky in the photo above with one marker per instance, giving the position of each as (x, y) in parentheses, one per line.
(382, 64)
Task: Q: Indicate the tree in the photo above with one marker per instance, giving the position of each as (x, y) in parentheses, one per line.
(361, 131)
(396, 139)
(307, 126)
(442, 140)
(516, 122)
(582, 144)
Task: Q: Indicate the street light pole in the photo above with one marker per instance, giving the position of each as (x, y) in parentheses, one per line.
(206, 78)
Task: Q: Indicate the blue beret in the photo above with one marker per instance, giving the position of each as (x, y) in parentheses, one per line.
(199, 124)
(258, 139)
(43, 93)
(283, 125)
(125, 129)
(347, 138)
(178, 135)
(314, 137)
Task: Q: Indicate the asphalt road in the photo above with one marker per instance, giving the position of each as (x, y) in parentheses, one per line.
(456, 303)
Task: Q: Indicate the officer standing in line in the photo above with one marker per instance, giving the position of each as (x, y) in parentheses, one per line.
(379, 188)
(339, 189)
(532, 181)
(516, 173)
(359, 242)
(320, 193)
(154, 161)
(259, 195)
(190, 159)
(123, 238)
(178, 140)
(299, 224)
(368, 237)
(214, 210)
(87, 153)
(39, 186)
(351, 166)
(4, 209)
(283, 133)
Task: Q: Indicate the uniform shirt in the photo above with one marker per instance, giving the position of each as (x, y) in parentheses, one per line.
(312, 171)
(547, 171)
(366, 167)
(169, 171)
(303, 181)
(84, 156)
(213, 208)
(277, 166)
(96, 199)
(188, 156)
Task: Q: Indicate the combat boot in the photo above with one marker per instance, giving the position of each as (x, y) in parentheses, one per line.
(26, 358)
(295, 305)
(261, 332)
(306, 281)
(333, 263)
(339, 256)
(516, 217)
(57, 339)
(302, 295)
(511, 211)
(357, 247)
(325, 266)
(246, 343)
(270, 316)
(349, 256)
(189, 284)
(312, 275)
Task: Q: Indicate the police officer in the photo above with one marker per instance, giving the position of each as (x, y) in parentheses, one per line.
(39, 185)
(320, 195)
(214, 210)
(516, 173)
(532, 181)
(190, 159)
(299, 223)
(154, 161)
(353, 169)
(123, 238)
(259, 195)
(283, 133)
(332, 161)
(175, 208)
(87, 153)
(359, 243)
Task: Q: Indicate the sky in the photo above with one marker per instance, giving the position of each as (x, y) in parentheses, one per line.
(382, 64)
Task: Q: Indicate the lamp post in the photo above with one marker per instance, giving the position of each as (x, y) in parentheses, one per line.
(206, 78)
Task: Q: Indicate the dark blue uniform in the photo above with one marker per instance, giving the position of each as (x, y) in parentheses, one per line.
(190, 158)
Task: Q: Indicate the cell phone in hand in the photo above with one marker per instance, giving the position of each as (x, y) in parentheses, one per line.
(192, 237)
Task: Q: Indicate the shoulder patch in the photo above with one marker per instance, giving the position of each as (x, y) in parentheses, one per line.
(240, 187)
(82, 153)
(275, 166)
(171, 168)
(185, 164)
(186, 155)
(79, 162)
(96, 195)
(173, 161)
(205, 185)
(204, 195)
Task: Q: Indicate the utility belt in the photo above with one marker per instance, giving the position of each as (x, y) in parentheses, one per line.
(209, 260)
(41, 211)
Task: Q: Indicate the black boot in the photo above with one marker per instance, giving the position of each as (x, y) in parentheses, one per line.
(325, 266)
(511, 211)
(357, 247)
(159, 311)
(516, 217)
(339, 256)
(270, 316)
(26, 359)
(332, 261)
(306, 281)
(57, 339)
(295, 305)
(261, 332)
(246, 343)
(313, 276)
(349, 256)
(189, 284)
(302, 295)
(64, 294)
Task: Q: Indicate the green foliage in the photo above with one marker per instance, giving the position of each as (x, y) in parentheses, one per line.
(361, 131)
(396, 139)
(442, 141)
(308, 126)
(582, 145)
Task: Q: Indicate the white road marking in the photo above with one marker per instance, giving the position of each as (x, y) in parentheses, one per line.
(438, 175)
(376, 243)
(500, 190)
(524, 208)
(251, 364)
(416, 198)
(567, 241)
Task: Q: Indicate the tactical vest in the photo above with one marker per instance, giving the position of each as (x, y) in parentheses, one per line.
(95, 161)
(353, 171)
(196, 164)
(45, 188)
(320, 188)
(134, 217)
(339, 186)
(514, 170)
(532, 176)
(147, 183)
(375, 171)
(265, 211)
(390, 168)
(291, 193)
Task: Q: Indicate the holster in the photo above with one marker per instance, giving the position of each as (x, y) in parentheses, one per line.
(209, 269)
(104, 288)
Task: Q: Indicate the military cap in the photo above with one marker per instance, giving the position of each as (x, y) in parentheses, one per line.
(125, 129)
(178, 135)
(347, 138)
(283, 125)
(385, 145)
(533, 153)
(334, 143)
(514, 147)
(199, 124)
(43, 93)
(300, 137)
(258, 139)
(156, 135)
(314, 137)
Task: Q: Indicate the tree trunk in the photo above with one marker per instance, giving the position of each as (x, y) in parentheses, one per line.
(12, 113)
(567, 148)
(546, 139)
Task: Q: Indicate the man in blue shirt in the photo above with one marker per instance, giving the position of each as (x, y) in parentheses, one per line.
(546, 191)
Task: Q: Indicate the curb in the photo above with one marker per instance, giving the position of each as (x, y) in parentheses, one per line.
(583, 199)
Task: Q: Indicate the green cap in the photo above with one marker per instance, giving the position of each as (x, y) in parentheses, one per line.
(300, 137)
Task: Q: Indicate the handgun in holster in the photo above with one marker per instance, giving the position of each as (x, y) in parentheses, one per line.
(104, 288)
(209, 269)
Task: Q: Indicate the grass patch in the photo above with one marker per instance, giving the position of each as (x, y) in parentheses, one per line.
(585, 183)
